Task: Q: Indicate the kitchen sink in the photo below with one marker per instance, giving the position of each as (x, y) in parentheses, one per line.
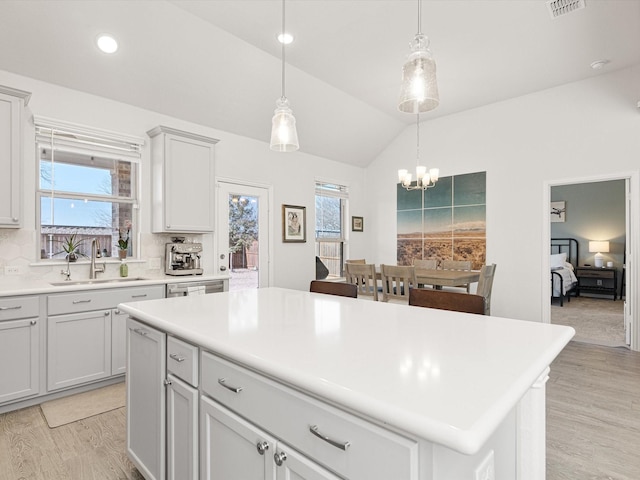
(101, 281)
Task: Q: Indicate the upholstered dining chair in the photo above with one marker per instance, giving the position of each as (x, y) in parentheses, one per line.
(457, 265)
(485, 284)
(397, 281)
(334, 288)
(445, 300)
(363, 278)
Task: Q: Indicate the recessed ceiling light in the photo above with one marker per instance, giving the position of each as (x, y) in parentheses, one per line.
(599, 64)
(285, 38)
(107, 43)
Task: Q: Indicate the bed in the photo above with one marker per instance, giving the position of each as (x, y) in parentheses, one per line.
(563, 262)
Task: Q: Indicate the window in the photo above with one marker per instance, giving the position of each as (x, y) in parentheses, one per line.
(331, 207)
(87, 187)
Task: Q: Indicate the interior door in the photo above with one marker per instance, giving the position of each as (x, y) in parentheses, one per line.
(243, 234)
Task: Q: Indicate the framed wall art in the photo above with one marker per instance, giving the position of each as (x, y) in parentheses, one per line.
(357, 224)
(557, 212)
(294, 224)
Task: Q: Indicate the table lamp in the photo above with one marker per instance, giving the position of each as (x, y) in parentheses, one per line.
(598, 248)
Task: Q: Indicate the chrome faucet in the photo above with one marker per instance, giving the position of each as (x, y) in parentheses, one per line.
(95, 253)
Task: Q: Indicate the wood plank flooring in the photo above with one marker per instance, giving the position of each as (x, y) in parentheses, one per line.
(89, 449)
(593, 428)
(593, 414)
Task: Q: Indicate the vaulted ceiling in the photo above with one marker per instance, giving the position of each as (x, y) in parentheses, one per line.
(217, 62)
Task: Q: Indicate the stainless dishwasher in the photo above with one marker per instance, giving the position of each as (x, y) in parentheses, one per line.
(202, 287)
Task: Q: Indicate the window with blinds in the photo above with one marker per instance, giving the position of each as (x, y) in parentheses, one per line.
(87, 187)
(331, 207)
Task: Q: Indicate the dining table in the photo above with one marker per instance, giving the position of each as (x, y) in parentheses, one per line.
(439, 277)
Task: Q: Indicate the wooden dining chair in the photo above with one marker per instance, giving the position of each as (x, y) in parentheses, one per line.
(458, 265)
(427, 264)
(363, 277)
(357, 260)
(397, 281)
(334, 288)
(444, 300)
(485, 285)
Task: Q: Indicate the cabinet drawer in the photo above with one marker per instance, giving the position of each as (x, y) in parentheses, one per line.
(13, 308)
(75, 302)
(182, 360)
(595, 273)
(351, 447)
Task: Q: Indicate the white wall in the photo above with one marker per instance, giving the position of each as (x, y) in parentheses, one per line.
(582, 129)
(292, 177)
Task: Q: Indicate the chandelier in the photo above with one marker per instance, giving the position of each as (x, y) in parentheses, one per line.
(424, 178)
(284, 137)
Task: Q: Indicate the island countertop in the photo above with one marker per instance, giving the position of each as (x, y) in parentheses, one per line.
(447, 377)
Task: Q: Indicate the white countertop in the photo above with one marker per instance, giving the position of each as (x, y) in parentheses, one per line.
(32, 285)
(447, 377)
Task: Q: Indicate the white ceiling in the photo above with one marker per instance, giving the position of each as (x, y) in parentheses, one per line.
(217, 62)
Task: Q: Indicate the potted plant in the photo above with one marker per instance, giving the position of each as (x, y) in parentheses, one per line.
(123, 244)
(70, 246)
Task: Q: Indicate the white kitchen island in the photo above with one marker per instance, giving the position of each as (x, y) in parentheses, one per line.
(275, 382)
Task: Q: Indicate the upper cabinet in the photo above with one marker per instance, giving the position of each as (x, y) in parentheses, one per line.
(12, 103)
(183, 181)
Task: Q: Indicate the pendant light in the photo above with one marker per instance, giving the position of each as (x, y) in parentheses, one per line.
(419, 90)
(284, 137)
(424, 179)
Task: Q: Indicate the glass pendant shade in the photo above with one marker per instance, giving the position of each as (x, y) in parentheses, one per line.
(419, 90)
(284, 137)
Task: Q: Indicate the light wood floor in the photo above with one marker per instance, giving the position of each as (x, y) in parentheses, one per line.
(593, 428)
(89, 449)
(593, 414)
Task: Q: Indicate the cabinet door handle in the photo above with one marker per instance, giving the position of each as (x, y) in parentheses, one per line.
(177, 357)
(33, 322)
(341, 445)
(222, 381)
(142, 295)
(81, 301)
(140, 332)
(279, 458)
(17, 307)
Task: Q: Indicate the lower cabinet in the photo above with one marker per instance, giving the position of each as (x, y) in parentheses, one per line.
(231, 447)
(146, 399)
(19, 356)
(182, 430)
(78, 348)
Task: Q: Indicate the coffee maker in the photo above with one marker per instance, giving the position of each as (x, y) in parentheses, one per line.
(182, 258)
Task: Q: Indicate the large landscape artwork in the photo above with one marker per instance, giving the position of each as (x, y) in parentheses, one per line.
(446, 222)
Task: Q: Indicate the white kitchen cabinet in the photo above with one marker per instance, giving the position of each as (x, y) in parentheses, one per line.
(19, 348)
(183, 190)
(78, 348)
(118, 342)
(12, 103)
(182, 430)
(233, 448)
(146, 399)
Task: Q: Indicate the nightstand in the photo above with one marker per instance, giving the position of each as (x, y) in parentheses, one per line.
(597, 280)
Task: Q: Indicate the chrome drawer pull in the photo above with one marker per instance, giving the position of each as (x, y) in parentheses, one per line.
(81, 301)
(262, 447)
(341, 445)
(17, 307)
(142, 295)
(33, 322)
(140, 332)
(279, 458)
(177, 357)
(222, 381)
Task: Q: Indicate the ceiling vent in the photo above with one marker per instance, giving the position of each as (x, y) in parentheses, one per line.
(558, 8)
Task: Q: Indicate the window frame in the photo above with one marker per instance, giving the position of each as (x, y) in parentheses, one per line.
(71, 138)
(323, 188)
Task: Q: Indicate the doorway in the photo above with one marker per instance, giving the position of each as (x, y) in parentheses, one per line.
(596, 210)
(243, 237)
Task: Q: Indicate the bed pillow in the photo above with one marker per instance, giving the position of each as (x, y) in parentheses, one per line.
(557, 260)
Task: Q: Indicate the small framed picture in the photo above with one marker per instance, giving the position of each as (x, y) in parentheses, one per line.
(357, 224)
(558, 212)
(294, 224)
